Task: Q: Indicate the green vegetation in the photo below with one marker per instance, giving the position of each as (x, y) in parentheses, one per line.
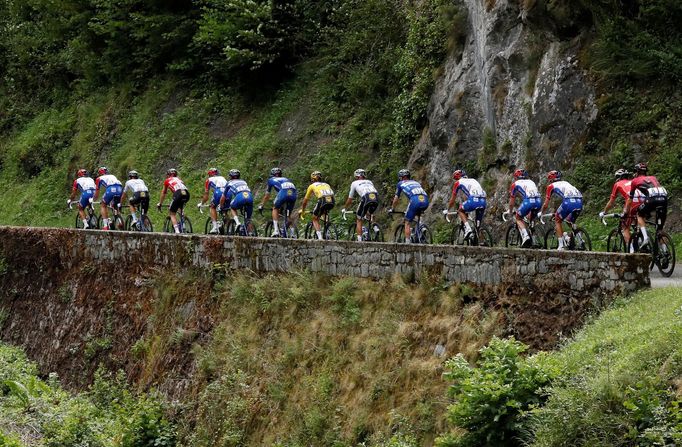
(616, 383)
(34, 412)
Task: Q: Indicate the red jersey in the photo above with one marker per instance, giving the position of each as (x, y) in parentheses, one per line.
(174, 184)
(648, 186)
(623, 187)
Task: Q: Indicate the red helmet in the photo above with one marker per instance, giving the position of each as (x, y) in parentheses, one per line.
(213, 171)
(102, 170)
(553, 176)
(520, 173)
(82, 173)
(458, 174)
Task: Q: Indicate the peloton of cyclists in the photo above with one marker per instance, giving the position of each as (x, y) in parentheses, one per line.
(571, 204)
(217, 183)
(238, 196)
(179, 199)
(285, 198)
(325, 200)
(86, 186)
(136, 188)
(112, 193)
(655, 198)
(417, 198)
(527, 190)
(475, 199)
(369, 199)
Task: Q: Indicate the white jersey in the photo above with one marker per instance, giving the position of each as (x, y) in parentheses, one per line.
(362, 187)
(84, 184)
(107, 180)
(135, 185)
(564, 190)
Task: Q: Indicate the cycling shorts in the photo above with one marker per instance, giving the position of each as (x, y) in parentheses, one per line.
(570, 209)
(474, 203)
(85, 198)
(323, 205)
(416, 207)
(112, 195)
(368, 204)
(140, 198)
(243, 200)
(657, 203)
(286, 198)
(217, 194)
(180, 198)
(529, 204)
(628, 220)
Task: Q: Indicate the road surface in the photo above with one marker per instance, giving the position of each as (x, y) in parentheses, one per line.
(659, 281)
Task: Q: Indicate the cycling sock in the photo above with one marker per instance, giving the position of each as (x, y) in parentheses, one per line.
(105, 223)
(134, 216)
(236, 220)
(645, 237)
(561, 242)
(359, 238)
(176, 227)
(524, 234)
(275, 226)
(85, 223)
(467, 227)
(319, 235)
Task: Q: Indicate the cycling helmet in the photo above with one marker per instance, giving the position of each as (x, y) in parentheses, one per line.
(520, 174)
(641, 167)
(102, 170)
(133, 174)
(276, 172)
(316, 176)
(553, 176)
(458, 174)
(404, 173)
(360, 173)
(82, 173)
(213, 171)
(234, 173)
(621, 173)
(172, 172)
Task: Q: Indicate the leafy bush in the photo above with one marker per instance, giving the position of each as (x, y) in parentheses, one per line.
(492, 399)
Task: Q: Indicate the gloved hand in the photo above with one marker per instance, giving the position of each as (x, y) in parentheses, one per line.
(539, 214)
(389, 211)
(199, 204)
(260, 207)
(68, 202)
(158, 206)
(445, 212)
(343, 210)
(118, 205)
(601, 214)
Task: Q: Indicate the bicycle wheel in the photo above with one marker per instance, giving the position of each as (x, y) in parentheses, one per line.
(268, 230)
(186, 225)
(168, 225)
(291, 232)
(424, 235)
(309, 232)
(146, 224)
(376, 234)
(128, 224)
(457, 236)
(79, 222)
(118, 223)
(351, 232)
(551, 240)
(399, 234)
(665, 254)
(485, 238)
(231, 228)
(93, 220)
(512, 238)
(331, 233)
(208, 226)
(616, 242)
(250, 229)
(581, 240)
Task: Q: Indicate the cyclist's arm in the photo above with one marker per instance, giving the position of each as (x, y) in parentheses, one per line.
(512, 199)
(548, 195)
(628, 204)
(163, 193)
(123, 197)
(74, 190)
(308, 193)
(96, 190)
(266, 197)
(395, 201)
(453, 196)
(349, 199)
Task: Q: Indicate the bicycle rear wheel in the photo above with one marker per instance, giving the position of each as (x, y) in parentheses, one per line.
(146, 224)
(616, 242)
(665, 254)
(79, 222)
(128, 225)
(291, 232)
(512, 238)
(581, 240)
(208, 226)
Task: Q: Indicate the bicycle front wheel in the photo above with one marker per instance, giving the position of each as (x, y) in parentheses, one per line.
(424, 235)
(665, 254)
(128, 225)
(551, 240)
(118, 223)
(168, 225)
(186, 225)
(351, 232)
(457, 236)
(208, 226)
(485, 238)
(581, 240)
(331, 233)
(146, 224)
(512, 238)
(79, 222)
(616, 242)
(399, 234)
(310, 231)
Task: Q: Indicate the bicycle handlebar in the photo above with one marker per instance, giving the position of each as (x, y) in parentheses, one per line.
(448, 214)
(505, 213)
(542, 217)
(605, 216)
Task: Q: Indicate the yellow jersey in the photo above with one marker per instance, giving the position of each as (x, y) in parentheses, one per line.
(320, 189)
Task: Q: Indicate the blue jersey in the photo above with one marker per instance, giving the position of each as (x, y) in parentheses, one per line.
(234, 187)
(410, 188)
(280, 183)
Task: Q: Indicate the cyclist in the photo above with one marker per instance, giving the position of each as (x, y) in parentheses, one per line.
(475, 199)
(112, 193)
(238, 195)
(622, 187)
(655, 197)
(139, 195)
(369, 199)
(417, 197)
(86, 185)
(179, 199)
(217, 183)
(285, 198)
(325, 200)
(571, 203)
(527, 190)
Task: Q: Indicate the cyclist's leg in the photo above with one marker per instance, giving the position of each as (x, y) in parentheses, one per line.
(359, 214)
(317, 212)
(173, 208)
(643, 213)
(83, 202)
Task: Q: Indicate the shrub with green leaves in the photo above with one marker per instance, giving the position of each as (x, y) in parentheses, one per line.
(493, 398)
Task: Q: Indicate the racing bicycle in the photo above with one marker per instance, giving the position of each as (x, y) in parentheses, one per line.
(329, 230)
(616, 240)
(371, 231)
(513, 237)
(90, 215)
(578, 239)
(245, 228)
(223, 219)
(286, 229)
(661, 247)
(143, 224)
(420, 234)
(183, 221)
(116, 221)
(480, 235)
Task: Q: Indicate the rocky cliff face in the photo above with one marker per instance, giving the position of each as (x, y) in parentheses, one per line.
(515, 95)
